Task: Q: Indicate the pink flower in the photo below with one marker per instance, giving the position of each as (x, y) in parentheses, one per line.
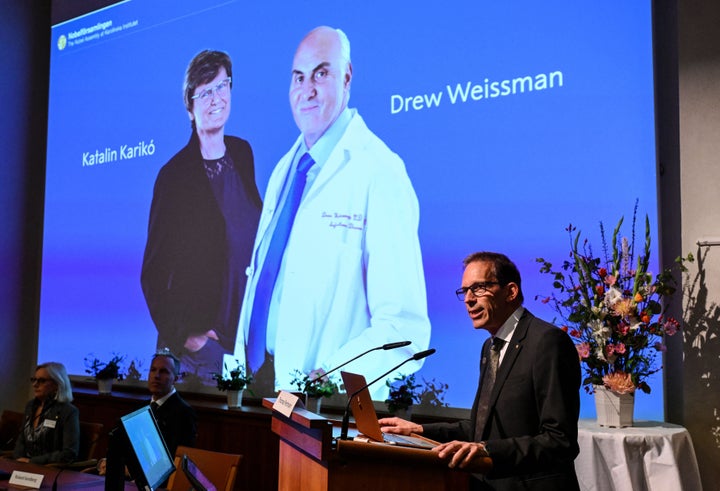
(583, 350)
(609, 350)
(319, 374)
(610, 279)
(671, 326)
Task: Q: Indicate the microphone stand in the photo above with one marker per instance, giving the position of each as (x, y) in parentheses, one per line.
(346, 415)
(387, 346)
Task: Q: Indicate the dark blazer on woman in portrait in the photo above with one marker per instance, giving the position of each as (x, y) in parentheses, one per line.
(531, 430)
(185, 266)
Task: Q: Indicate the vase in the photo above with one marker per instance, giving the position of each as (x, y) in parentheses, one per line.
(613, 410)
(313, 404)
(234, 398)
(104, 385)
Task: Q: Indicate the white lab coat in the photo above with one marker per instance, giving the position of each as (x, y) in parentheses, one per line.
(353, 273)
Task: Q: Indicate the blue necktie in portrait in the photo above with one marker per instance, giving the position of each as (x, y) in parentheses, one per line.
(256, 344)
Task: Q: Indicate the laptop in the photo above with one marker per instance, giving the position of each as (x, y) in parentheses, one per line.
(366, 418)
(197, 479)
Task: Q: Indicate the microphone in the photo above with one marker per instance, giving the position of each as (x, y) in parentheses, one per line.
(346, 415)
(398, 344)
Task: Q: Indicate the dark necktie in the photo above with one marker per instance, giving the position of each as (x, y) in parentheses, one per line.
(488, 381)
(257, 334)
(154, 407)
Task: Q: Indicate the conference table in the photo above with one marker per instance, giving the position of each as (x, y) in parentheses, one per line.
(64, 479)
(648, 456)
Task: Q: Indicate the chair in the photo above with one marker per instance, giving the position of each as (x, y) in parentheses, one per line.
(90, 433)
(87, 457)
(220, 468)
(11, 423)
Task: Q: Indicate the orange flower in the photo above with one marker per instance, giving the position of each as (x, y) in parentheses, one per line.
(638, 298)
(619, 382)
(623, 307)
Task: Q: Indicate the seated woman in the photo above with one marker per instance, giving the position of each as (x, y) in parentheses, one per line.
(51, 432)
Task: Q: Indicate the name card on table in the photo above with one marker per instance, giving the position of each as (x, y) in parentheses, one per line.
(27, 479)
(285, 403)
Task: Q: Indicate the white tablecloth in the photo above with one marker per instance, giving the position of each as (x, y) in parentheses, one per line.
(648, 456)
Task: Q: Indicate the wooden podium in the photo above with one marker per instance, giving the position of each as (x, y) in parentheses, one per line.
(310, 460)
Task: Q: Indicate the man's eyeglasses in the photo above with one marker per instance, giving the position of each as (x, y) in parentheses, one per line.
(477, 289)
(38, 380)
(220, 89)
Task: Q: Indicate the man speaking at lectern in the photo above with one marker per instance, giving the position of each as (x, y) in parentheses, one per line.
(527, 405)
(336, 267)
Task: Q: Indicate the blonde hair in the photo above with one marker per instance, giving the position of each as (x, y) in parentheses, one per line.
(59, 375)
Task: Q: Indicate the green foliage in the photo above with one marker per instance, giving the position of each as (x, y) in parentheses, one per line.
(236, 379)
(405, 391)
(105, 370)
(314, 384)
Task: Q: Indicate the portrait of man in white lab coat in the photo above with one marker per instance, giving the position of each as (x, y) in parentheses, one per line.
(345, 274)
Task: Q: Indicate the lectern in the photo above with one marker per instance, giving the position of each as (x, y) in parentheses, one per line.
(309, 460)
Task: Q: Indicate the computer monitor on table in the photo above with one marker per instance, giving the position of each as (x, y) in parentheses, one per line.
(138, 444)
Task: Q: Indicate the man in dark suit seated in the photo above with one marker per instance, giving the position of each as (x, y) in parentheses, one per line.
(175, 417)
(527, 405)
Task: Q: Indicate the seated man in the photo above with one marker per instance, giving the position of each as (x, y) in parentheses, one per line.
(175, 417)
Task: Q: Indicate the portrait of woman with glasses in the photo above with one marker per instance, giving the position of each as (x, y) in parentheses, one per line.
(203, 218)
(51, 431)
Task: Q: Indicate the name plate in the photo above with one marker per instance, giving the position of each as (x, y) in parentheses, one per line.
(27, 479)
(285, 403)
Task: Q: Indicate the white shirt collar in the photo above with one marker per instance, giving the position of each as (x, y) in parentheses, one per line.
(164, 398)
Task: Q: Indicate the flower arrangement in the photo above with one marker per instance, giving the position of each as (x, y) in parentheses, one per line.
(105, 370)
(405, 391)
(237, 378)
(324, 386)
(614, 309)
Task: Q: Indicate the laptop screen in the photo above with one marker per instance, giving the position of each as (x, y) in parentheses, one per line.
(362, 407)
(153, 463)
(198, 480)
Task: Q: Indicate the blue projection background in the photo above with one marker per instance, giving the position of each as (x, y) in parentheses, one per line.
(498, 163)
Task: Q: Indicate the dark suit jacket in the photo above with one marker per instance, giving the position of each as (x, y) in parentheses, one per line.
(531, 431)
(177, 422)
(184, 271)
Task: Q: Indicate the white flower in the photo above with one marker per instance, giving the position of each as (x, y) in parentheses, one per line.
(612, 296)
(598, 312)
(625, 254)
(600, 352)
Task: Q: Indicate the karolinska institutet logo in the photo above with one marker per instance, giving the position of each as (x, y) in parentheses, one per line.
(62, 42)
